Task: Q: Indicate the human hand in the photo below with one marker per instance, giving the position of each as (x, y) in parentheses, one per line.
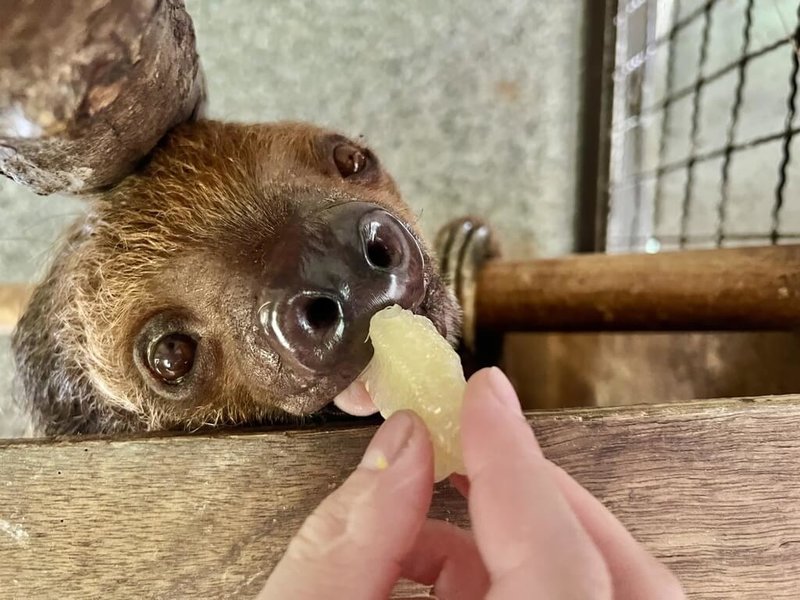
(536, 532)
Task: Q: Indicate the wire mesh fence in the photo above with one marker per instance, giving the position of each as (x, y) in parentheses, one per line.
(704, 144)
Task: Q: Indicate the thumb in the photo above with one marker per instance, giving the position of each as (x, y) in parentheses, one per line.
(352, 545)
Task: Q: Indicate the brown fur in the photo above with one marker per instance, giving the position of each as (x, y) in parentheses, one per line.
(184, 236)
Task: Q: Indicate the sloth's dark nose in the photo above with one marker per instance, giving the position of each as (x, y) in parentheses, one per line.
(326, 276)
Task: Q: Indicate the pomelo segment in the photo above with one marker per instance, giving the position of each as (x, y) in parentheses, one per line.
(415, 368)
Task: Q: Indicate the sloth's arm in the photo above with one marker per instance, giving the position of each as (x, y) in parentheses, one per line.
(88, 87)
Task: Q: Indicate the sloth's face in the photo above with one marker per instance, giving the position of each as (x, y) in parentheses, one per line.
(235, 276)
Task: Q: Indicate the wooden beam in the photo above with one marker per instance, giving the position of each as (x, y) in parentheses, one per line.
(733, 289)
(599, 59)
(710, 487)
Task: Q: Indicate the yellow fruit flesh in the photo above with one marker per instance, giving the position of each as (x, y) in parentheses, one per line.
(414, 368)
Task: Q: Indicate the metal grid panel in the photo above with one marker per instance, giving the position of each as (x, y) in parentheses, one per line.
(703, 141)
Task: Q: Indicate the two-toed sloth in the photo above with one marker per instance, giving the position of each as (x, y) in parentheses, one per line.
(229, 280)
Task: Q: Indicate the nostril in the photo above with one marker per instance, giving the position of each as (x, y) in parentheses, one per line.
(380, 255)
(322, 314)
(386, 242)
(326, 279)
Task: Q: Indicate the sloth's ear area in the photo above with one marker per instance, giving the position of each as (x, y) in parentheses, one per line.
(84, 134)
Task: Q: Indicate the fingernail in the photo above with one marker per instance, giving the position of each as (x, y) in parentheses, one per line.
(503, 391)
(388, 443)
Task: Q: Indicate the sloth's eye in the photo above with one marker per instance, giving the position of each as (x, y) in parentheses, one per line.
(350, 159)
(171, 358)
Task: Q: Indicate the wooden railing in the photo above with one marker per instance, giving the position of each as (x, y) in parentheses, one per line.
(742, 289)
(710, 488)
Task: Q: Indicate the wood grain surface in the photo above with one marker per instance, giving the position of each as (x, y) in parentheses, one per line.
(732, 289)
(712, 488)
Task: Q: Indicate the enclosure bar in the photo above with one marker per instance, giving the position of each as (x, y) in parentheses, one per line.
(626, 9)
(733, 124)
(635, 103)
(791, 105)
(733, 289)
(716, 153)
(635, 62)
(658, 199)
(600, 38)
(704, 486)
(688, 192)
(687, 20)
(721, 72)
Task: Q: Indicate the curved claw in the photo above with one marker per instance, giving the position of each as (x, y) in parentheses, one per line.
(463, 246)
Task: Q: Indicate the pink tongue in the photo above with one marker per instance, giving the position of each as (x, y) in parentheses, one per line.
(355, 400)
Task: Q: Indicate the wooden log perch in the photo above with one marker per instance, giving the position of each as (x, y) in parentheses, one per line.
(88, 87)
(742, 289)
(710, 488)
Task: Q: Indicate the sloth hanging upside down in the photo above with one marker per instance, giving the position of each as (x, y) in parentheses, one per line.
(224, 273)
(232, 279)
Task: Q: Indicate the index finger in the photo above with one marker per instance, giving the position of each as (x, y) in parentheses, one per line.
(353, 544)
(530, 539)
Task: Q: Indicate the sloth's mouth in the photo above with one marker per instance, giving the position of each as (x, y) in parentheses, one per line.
(348, 396)
(355, 400)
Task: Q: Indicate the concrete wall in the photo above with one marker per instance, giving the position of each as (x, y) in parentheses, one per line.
(473, 107)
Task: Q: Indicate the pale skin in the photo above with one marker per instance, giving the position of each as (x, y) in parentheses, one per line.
(536, 533)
